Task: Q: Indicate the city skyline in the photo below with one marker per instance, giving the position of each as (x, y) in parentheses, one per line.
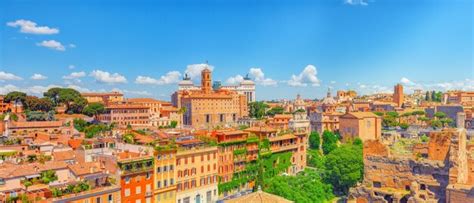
(303, 47)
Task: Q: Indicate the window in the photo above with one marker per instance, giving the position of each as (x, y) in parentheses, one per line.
(208, 118)
(221, 117)
(158, 170)
(165, 183)
(97, 200)
(148, 175)
(111, 198)
(158, 184)
(171, 181)
(138, 201)
(158, 157)
(171, 167)
(127, 192)
(148, 188)
(127, 180)
(165, 168)
(138, 190)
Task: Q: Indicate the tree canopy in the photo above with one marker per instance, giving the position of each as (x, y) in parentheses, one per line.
(329, 141)
(257, 109)
(33, 103)
(344, 167)
(304, 187)
(314, 140)
(93, 109)
(71, 98)
(14, 96)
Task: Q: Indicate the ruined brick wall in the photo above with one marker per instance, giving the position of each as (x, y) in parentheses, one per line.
(375, 148)
(438, 145)
(456, 194)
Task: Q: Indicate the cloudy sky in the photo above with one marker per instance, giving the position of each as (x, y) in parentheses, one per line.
(143, 48)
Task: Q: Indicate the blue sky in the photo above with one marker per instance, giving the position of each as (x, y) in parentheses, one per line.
(142, 48)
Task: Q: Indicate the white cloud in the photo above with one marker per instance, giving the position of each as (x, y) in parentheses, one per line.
(259, 76)
(235, 80)
(135, 92)
(8, 88)
(74, 75)
(171, 77)
(38, 76)
(38, 89)
(31, 27)
(307, 76)
(52, 44)
(106, 77)
(79, 88)
(356, 2)
(406, 81)
(268, 82)
(194, 70)
(8, 76)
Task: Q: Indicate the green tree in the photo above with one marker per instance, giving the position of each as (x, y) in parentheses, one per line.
(257, 109)
(48, 176)
(433, 95)
(427, 96)
(70, 97)
(424, 138)
(173, 124)
(439, 96)
(15, 96)
(329, 142)
(404, 126)
(128, 138)
(304, 187)
(440, 115)
(80, 124)
(275, 110)
(94, 109)
(447, 121)
(344, 167)
(315, 159)
(33, 103)
(314, 140)
(436, 124)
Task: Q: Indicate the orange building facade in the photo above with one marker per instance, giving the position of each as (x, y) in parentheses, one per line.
(126, 114)
(136, 179)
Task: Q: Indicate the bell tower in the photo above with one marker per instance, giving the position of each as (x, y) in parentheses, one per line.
(206, 80)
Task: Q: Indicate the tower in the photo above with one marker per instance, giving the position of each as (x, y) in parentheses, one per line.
(398, 97)
(206, 80)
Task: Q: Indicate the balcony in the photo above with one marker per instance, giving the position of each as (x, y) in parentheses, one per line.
(136, 166)
(282, 148)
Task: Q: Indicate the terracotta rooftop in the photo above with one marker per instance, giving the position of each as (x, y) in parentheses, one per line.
(99, 94)
(145, 100)
(260, 129)
(8, 170)
(289, 116)
(75, 143)
(85, 168)
(259, 197)
(126, 106)
(282, 137)
(64, 155)
(36, 124)
(360, 115)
